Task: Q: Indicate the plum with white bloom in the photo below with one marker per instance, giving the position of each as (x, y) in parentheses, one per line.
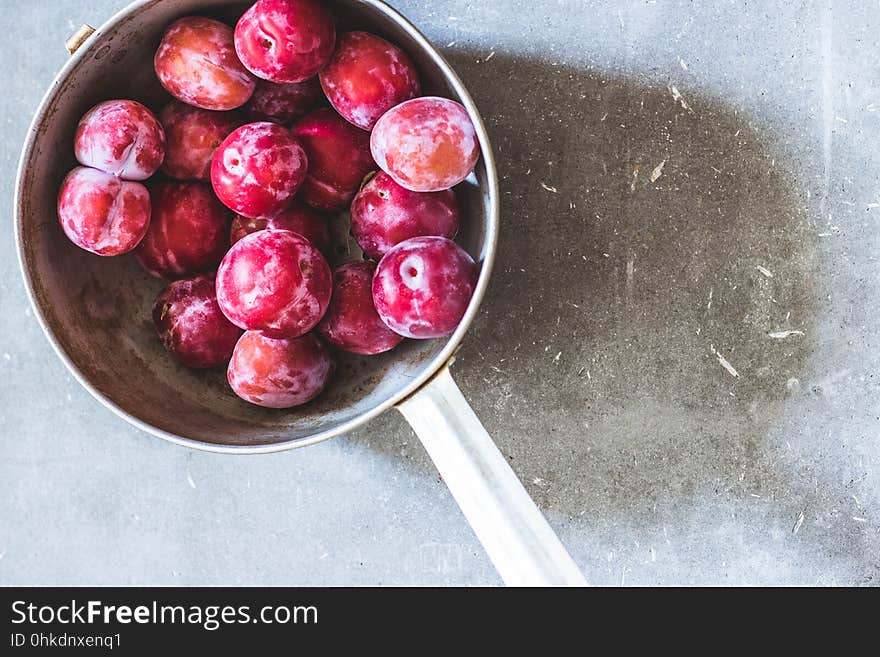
(423, 286)
(426, 144)
(279, 373)
(274, 281)
(121, 137)
(190, 324)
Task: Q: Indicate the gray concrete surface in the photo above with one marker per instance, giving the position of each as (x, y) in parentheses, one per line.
(682, 182)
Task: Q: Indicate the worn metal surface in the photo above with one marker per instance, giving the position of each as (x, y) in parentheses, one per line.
(603, 359)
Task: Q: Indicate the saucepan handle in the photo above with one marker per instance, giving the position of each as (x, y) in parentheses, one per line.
(514, 533)
(78, 38)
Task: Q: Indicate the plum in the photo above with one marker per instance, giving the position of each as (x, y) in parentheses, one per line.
(283, 103)
(274, 281)
(384, 214)
(191, 137)
(279, 373)
(196, 63)
(258, 168)
(121, 137)
(423, 286)
(190, 324)
(101, 213)
(297, 219)
(352, 323)
(285, 40)
(339, 158)
(189, 230)
(367, 77)
(426, 144)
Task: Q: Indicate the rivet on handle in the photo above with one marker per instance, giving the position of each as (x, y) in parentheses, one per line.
(78, 38)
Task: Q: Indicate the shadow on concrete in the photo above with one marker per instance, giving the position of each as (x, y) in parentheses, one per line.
(645, 237)
(651, 242)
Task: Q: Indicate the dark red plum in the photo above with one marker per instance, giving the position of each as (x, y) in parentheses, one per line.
(283, 103)
(285, 40)
(190, 324)
(367, 77)
(192, 135)
(384, 214)
(352, 323)
(297, 219)
(339, 158)
(189, 230)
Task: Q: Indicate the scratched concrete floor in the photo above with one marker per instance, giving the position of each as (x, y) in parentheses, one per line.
(679, 351)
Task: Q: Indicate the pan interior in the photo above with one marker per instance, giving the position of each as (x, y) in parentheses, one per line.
(98, 309)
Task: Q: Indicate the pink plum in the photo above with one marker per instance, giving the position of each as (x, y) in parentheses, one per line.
(274, 281)
(121, 137)
(279, 373)
(196, 63)
(101, 213)
(423, 286)
(258, 168)
(426, 144)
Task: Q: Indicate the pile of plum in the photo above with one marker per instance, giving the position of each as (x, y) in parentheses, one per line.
(250, 158)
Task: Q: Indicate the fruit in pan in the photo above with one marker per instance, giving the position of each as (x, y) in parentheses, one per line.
(352, 323)
(339, 158)
(121, 137)
(426, 144)
(367, 77)
(279, 372)
(297, 219)
(383, 214)
(273, 294)
(101, 213)
(258, 168)
(189, 230)
(274, 281)
(190, 324)
(285, 40)
(191, 137)
(423, 286)
(196, 63)
(283, 103)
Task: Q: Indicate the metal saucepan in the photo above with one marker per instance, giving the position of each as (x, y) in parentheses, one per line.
(95, 311)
